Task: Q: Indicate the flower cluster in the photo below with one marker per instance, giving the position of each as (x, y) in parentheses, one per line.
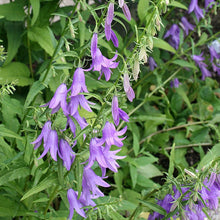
(208, 198)
(69, 101)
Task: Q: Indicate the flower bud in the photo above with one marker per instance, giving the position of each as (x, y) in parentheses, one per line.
(136, 69)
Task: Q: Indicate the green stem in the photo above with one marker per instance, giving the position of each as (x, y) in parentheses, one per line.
(51, 199)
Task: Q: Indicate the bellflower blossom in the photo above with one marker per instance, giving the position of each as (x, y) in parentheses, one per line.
(59, 100)
(208, 5)
(203, 67)
(99, 62)
(216, 68)
(66, 153)
(213, 54)
(197, 10)
(152, 63)
(186, 25)
(127, 88)
(174, 36)
(125, 9)
(118, 113)
(110, 135)
(174, 83)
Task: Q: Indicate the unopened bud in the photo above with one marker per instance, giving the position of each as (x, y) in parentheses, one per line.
(190, 173)
(143, 55)
(136, 69)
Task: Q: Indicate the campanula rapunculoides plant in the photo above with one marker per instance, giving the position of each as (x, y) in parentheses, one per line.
(109, 109)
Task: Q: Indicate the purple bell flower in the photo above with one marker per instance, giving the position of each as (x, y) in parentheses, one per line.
(90, 181)
(81, 121)
(78, 84)
(127, 88)
(118, 113)
(197, 10)
(208, 5)
(174, 36)
(71, 124)
(213, 54)
(174, 83)
(110, 135)
(99, 62)
(152, 63)
(43, 135)
(51, 144)
(216, 68)
(76, 101)
(186, 25)
(74, 204)
(66, 153)
(59, 100)
(125, 9)
(110, 13)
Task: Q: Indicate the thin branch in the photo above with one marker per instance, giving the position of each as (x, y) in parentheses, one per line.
(189, 145)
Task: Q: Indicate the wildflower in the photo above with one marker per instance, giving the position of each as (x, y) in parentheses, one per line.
(174, 36)
(152, 63)
(101, 63)
(59, 100)
(110, 135)
(127, 88)
(125, 10)
(118, 113)
(110, 13)
(213, 54)
(78, 84)
(174, 83)
(81, 121)
(198, 59)
(66, 153)
(216, 68)
(209, 3)
(43, 135)
(90, 181)
(76, 101)
(74, 203)
(51, 144)
(186, 25)
(197, 10)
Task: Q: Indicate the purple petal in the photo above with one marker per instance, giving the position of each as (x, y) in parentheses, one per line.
(94, 44)
(126, 11)
(110, 13)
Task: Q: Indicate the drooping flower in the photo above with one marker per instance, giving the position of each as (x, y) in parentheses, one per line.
(110, 13)
(186, 25)
(152, 63)
(208, 3)
(81, 121)
(216, 68)
(43, 135)
(74, 204)
(118, 113)
(51, 144)
(127, 88)
(110, 135)
(174, 36)
(66, 153)
(99, 62)
(198, 59)
(125, 10)
(78, 84)
(197, 10)
(174, 83)
(213, 54)
(59, 100)
(90, 183)
(78, 101)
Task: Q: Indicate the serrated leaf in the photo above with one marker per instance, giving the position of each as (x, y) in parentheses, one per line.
(44, 184)
(4, 132)
(14, 32)
(154, 207)
(159, 43)
(15, 72)
(16, 173)
(178, 5)
(36, 9)
(184, 63)
(13, 11)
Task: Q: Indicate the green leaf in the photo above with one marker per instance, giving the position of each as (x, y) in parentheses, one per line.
(136, 137)
(36, 9)
(154, 207)
(178, 5)
(115, 216)
(142, 9)
(118, 177)
(34, 90)
(44, 37)
(15, 72)
(200, 135)
(14, 32)
(159, 43)
(133, 174)
(184, 63)
(4, 132)
(44, 184)
(202, 39)
(211, 155)
(13, 11)
(16, 173)
(149, 171)
(183, 94)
